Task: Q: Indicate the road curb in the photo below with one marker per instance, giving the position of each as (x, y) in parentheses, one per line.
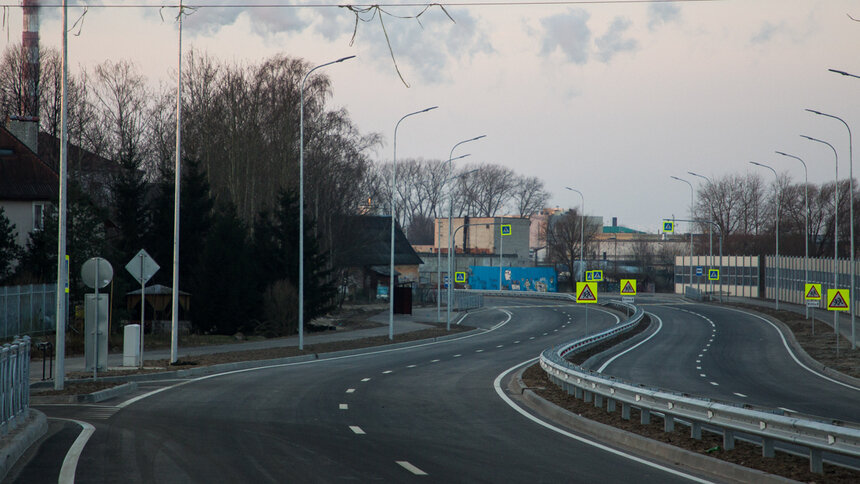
(20, 439)
(637, 444)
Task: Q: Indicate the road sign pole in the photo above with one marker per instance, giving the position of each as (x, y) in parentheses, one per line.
(501, 251)
(586, 320)
(142, 306)
(96, 329)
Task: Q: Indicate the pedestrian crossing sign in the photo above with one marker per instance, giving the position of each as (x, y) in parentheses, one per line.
(812, 292)
(628, 287)
(838, 300)
(586, 292)
(460, 277)
(713, 274)
(668, 226)
(506, 229)
(594, 276)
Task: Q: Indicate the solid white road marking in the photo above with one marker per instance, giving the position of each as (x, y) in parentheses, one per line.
(70, 463)
(497, 384)
(787, 409)
(343, 406)
(740, 395)
(659, 327)
(350, 390)
(356, 429)
(411, 468)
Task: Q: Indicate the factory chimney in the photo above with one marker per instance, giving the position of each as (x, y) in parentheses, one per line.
(25, 126)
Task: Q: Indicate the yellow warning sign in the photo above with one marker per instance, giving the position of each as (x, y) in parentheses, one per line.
(628, 287)
(812, 292)
(586, 292)
(837, 300)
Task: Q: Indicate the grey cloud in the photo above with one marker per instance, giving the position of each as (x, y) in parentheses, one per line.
(568, 33)
(613, 41)
(662, 13)
(264, 21)
(766, 33)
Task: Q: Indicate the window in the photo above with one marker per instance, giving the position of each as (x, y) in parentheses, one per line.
(38, 216)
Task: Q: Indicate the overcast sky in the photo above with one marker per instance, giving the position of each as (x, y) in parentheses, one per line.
(608, 98)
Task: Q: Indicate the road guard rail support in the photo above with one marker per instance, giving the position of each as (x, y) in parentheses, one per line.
(14, 383)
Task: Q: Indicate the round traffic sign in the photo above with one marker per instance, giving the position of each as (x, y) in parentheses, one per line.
(96, 272)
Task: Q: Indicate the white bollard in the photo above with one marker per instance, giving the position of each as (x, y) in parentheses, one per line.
(131, 345)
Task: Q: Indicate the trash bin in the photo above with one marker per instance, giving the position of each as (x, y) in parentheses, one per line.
(131, 345)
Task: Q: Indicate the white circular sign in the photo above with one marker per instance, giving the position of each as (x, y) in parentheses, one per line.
(96, 272)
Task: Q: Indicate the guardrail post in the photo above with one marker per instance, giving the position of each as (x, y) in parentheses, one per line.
(577, 392)
(696, 430)
(586, 396)
(598, 400)
(625, 411)
(668, 423)
(728, 439)
(815, 463)
(645, 418)
(610, 405)
(767, 447)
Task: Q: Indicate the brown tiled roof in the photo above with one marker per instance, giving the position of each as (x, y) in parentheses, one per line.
(23, 176)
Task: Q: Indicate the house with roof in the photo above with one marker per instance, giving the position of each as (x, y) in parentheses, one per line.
(27, 185)
(362, 255)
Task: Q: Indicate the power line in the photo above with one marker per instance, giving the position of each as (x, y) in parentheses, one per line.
(385, 5)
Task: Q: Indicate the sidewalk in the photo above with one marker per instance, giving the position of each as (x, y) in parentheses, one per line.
(403, 323)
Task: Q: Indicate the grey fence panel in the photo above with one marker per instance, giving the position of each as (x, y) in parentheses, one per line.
(27, 310)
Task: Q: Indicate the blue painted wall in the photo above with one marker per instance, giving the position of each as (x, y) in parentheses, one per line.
(540, 279)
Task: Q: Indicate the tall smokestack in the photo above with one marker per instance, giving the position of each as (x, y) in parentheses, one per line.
(30, 71)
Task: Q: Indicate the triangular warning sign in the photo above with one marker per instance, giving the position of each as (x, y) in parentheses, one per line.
(813, 293)
(586, 294)
(838, 302)
(628, 289)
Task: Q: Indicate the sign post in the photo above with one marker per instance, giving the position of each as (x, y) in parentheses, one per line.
(838, 300)
(812, 294)
(586, 293)
(142, 267)
(504, 231)
(96, 273)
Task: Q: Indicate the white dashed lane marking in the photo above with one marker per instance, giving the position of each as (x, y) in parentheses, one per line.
(343, 406)
(411, 468)
(365, 379)
(356, 429)
(740, 395)
(479, 351)
(435, 361)
(350, 390)
(411, 366)
(386, 372)
(715, 384)
(457, 356)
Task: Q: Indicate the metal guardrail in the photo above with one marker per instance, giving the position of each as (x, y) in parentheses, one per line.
(14, 383)
(814, 434)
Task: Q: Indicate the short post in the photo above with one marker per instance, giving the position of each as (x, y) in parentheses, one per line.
(586, 396)
(728, 439)
(598, 400)
(767, 447)
(696, 430)
(610, 405)
(645, 417)
(625, 411)
(577, 392)
(668, 423)
(816, 465)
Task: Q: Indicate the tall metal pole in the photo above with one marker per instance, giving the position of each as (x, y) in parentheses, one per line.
(835, 231)
(581, 228)
(691, 229)
(710, 232)
(439, 248)
(806, 201)
(62, 274)
(776, 181)
(393, 219)
(851, 286)
(501, 251)
(174, 316)
(302, 200)
(450, 234)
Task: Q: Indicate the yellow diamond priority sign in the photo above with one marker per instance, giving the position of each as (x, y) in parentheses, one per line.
(586, 292)
(812, 292)
(837, 300)
(628, 287)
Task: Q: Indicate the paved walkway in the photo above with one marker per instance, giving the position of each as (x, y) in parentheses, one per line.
(403, 323)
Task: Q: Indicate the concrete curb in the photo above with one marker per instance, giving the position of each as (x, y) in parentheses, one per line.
(94, 397)
(670, 455)
(20, 439)
(798, 350)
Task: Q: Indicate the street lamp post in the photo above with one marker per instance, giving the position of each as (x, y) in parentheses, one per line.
(302, 199)
(806, 201)
(835, 231)
(852, 294)
(691, 230)
(710, 232)
(581, 229)
(776, 181)
(393, 219)
(439, 251)
(450, 234)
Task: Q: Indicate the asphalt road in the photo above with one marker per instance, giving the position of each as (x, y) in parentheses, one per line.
(429, 412)
(733, 356)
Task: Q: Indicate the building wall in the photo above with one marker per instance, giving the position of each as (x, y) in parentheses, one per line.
(20, 214)
(482, 236)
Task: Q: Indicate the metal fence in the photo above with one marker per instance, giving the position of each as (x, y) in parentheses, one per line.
(27, 309)
(14, 383)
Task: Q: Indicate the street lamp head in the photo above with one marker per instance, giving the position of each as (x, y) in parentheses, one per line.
(428, 109)
(810, 138)
(815, 112)
(344, 58)
(477, 137)
(676, 178)
(781, 153)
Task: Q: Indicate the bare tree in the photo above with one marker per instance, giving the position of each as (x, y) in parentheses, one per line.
(564, 233)
(528, 195)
